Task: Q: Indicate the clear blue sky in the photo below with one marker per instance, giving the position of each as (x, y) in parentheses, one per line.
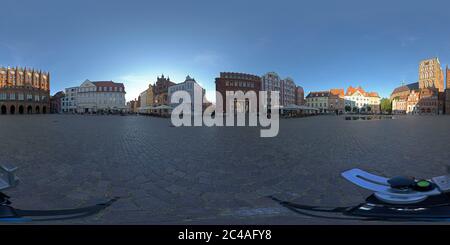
(321, 44)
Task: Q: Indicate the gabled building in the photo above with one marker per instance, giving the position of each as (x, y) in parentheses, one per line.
(161, 90)
(361, 101)
(147, 96)
(189, 85)
(429, 101)
(132, 106)
(336, 101)
(402, 103)
(412, 104)
(56, 102)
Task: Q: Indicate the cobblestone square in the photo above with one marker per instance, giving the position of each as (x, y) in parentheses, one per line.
(201, 175)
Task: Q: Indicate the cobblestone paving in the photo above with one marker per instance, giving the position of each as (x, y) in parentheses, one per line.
(200, 175)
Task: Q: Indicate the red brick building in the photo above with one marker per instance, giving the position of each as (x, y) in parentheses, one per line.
(429, 101)
(24, 91)
(336, 101)
(233, 81)
(299, 96)
(161, 90)
(55, 102)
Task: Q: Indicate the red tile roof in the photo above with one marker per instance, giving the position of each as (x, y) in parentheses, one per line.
(337, 91)
(351, 90)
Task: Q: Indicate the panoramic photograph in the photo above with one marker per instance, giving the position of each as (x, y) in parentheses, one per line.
(198, 116)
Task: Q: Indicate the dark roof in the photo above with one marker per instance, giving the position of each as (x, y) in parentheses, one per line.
(107, 84)
(239, 75)
(58, 94)
(408, 87)
(318, 94)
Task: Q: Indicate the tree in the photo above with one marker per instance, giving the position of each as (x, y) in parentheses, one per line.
(355, 109)
(369, 109)
(348, 108)
(386, 105)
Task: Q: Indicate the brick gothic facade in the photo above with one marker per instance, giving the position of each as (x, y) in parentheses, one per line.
(161, 90)
(24, 91)
(232, 81)
(431, 75)
(56, 102)
(426, 96)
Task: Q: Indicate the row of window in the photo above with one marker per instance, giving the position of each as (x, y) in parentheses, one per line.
(21, 84)
(110, 89)
(102, 102)
(181, 87)
(94, 89)
(239, 84)
(21, 97)
(427, 103)
(100, 95)
(317, 105)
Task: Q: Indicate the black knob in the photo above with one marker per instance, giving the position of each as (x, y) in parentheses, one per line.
(402, 182)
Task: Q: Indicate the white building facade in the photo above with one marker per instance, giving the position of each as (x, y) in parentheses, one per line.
(189, 85)
(69, 102)
(286, 87)
(270, 82)
(287, 92)
(95, 97)
(362, 101)
(143, 99)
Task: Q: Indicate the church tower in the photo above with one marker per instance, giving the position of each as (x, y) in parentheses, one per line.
(431, 74)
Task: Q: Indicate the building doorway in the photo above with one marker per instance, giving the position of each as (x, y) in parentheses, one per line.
(37, 111)
(29, 110)
(3, 109)
(21, 109)
(12, 110)
(44, 110)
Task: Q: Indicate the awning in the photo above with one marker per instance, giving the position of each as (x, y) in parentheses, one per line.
(143, 108)
(163, 107)
(293, 107)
